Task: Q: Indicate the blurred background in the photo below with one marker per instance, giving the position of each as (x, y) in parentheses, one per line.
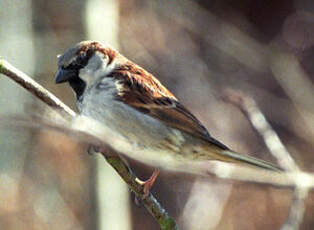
(198, 49)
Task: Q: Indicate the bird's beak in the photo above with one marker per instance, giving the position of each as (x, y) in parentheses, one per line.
(64, 75)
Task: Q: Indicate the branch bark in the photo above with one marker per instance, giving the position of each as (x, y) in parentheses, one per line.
(151, 204)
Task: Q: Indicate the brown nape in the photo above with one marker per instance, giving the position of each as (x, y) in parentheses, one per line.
(91, 47)
(136, 74)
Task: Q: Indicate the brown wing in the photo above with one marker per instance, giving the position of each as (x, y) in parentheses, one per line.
(154, 99)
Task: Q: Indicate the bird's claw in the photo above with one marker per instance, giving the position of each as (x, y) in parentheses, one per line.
(148, 184)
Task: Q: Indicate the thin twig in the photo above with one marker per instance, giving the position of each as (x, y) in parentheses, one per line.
(258, 121)
(33, 87)
(152, 205)
(297, 209)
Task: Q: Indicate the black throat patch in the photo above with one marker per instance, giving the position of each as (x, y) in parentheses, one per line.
(78, 85)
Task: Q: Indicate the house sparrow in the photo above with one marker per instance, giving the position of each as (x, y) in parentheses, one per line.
(133, 103)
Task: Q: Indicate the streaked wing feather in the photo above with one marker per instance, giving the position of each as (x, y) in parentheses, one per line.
(177, 116)
(155, 100)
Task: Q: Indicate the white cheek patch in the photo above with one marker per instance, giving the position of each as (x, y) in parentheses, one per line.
(96, 67)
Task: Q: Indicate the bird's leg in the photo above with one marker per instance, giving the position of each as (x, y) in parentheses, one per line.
(148, 184)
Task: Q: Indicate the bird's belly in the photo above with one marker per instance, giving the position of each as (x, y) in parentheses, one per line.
(140, 129)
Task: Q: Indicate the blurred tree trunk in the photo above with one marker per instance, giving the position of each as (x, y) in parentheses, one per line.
(102, 20)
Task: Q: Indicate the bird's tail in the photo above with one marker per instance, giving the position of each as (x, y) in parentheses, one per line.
(241, 158)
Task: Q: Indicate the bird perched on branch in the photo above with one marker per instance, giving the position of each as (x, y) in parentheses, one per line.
(133, 103)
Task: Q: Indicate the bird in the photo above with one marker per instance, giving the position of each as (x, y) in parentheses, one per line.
(133, 103)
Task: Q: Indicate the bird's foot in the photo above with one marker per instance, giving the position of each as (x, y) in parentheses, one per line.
(148, 184)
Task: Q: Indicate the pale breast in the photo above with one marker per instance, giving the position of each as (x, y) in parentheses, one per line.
(143, 130)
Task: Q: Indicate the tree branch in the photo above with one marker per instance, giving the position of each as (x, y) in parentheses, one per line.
(260, 124)
(152, 205)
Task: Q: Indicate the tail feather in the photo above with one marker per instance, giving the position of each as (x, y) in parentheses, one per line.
(240, 158)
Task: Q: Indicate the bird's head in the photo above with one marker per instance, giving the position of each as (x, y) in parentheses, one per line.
(85, 63)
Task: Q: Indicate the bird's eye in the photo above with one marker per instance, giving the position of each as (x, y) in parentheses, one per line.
(78, 63)
(80, 58)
